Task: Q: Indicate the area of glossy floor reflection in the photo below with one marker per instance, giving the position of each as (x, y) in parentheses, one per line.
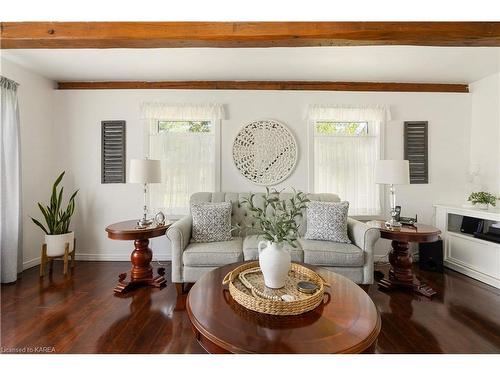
(80, 314)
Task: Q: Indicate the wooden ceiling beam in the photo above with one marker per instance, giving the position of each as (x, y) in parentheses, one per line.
(15, 35)
(267, 85)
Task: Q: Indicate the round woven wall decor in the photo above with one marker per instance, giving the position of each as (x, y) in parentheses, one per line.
(265, 152)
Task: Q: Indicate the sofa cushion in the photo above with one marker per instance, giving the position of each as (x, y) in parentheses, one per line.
(241, 216)
(213, 253)
(327, 221)
(326, 253)
(250, 251)
(211, 221)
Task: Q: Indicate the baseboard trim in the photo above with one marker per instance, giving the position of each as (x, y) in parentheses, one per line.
(472, 273)
(98, 257)
(31, 263)
(115, 257)
(102, 257)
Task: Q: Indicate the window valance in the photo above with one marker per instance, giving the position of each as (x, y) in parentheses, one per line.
(8, 84)
(182, 112)
(377, 113)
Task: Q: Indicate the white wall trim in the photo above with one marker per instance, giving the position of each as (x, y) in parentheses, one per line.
(117, 257)
(462, 268)
(31, 263)
(101, 257)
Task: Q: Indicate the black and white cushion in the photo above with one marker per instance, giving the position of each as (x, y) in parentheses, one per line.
(327, 221)
(211, 222)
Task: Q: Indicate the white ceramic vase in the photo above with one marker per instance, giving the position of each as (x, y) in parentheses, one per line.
(56, 243)
(275, 262)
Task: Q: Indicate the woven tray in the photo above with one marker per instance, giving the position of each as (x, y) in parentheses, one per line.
(268, 301)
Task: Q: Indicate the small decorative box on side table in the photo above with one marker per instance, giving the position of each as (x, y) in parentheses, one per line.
(141, 273)
(401, 274)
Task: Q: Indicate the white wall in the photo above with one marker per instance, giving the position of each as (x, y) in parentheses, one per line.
(78, 115)
(35, 95)
(485, 131)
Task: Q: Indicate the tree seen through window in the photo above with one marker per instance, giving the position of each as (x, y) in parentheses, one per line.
(184, 126)
(341, 128)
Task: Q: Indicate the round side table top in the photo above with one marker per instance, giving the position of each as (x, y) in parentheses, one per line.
(407, 233)
(128, 230)
(347, 321)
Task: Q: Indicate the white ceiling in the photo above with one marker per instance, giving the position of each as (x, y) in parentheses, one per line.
(378, 63)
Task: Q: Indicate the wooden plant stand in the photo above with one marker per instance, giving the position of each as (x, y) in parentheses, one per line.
(141, 273)
(44, 259)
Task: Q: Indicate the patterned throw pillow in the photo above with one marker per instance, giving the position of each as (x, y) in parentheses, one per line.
(211, 221)
(327, 221)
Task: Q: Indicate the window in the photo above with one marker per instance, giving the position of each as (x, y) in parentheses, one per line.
(341, 128)
(185, 126)
(190, 162)
(345, 144)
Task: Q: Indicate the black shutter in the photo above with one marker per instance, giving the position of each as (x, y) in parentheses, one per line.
(113, 159)
(416, 151)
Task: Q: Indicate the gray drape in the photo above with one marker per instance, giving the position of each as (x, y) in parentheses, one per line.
(11, 259)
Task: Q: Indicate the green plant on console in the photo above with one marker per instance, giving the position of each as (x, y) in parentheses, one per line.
(276, 221)
(482, 197)
(56, 218)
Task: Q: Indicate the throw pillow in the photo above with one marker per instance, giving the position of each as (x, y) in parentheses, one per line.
(327, 221)
(211, 221)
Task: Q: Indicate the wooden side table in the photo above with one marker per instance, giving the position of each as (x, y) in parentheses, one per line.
(141, 273)
(401, 274)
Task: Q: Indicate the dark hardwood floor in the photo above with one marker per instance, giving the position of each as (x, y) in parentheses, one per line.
(80, 314)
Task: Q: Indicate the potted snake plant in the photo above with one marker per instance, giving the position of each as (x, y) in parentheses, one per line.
(57, 220)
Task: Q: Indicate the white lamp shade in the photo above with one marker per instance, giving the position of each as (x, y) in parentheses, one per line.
(144, 171)
(396, 172)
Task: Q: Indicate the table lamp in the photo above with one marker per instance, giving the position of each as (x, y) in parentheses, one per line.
(145, 171)
(392, 172)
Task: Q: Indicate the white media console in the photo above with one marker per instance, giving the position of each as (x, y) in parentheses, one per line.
(474, 257)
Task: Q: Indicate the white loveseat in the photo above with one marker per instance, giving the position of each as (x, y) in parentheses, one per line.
(191, 260)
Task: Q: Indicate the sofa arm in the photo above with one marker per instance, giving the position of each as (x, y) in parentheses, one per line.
(365, 238)
(179, 235)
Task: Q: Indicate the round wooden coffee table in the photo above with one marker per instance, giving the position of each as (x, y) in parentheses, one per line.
(347, 321)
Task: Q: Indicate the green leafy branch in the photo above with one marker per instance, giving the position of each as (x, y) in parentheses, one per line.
(56, 219)
(482, 197)
(277, 219)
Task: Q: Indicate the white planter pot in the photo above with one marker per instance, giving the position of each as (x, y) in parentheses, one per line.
(481, 206)
(275, 262)
(56, 243)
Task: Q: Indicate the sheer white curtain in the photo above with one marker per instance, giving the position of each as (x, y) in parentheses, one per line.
(190, 160)
(10, 181)
(344, 164)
